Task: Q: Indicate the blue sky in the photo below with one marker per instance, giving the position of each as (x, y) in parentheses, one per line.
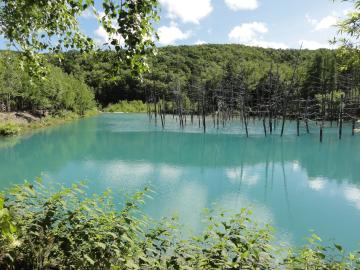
(264, 23)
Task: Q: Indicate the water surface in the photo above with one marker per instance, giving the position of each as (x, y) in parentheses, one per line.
(294, 183)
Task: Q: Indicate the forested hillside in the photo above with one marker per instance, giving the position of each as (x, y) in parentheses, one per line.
(214, 66)
(219, 75)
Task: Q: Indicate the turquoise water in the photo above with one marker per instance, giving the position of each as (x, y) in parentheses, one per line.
(294, 183)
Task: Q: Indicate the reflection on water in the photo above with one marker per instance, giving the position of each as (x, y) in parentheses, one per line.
(294, 183)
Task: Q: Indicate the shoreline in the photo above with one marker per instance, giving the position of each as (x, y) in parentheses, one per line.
(19, 123)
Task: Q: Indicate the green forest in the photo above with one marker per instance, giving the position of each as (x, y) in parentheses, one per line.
(211, 66)
(77, 82)
(59, 91)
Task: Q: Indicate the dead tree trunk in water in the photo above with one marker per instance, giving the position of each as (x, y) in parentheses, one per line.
(283, 120)
(155, 109)
(298, 119)
(353, 127)
(162, 112)
(161, 116)
(341, 118)
(245, 119)
(264, 126)
(321, 133)
(203, 111)
(306, 115)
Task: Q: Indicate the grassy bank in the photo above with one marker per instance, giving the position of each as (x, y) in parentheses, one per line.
(67, 229)
(13, 127)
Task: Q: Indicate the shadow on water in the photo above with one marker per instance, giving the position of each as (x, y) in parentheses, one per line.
(294, 183)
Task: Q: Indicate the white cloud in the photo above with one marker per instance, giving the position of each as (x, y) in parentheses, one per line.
(103, 37)
(268, 44)
(188, 11)
(88, 14)
(314, 45)
(250, 34)
(200, 42)
(352, 194)
(296, 166)
(169, 174)
(347, 12)
(247, 177)
(188, 201)
(232, 202)
(127, 175)
(168, 35)
(242, 4)
(102, 34)
(92, 14)
(247, 32)
(233, 174)
(317, 184)
(324, 23)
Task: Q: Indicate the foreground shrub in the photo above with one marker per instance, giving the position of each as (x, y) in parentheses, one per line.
(65, 229)
(9, 129)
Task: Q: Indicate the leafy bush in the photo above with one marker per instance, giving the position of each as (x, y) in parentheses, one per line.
(8, 129)
(135, 106)
(66, 229)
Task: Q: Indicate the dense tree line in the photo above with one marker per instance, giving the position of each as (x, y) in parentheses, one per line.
(58, 91)
(217, 68)
(222, 76)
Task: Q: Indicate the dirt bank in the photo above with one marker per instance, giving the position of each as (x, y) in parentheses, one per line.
(21, 118)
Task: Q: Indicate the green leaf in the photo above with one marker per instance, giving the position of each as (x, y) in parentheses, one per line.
(338, 247)
(316, 237)
(91, 261)
(100, 245)
(320, 255)
(131, 264)
(2, 201)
